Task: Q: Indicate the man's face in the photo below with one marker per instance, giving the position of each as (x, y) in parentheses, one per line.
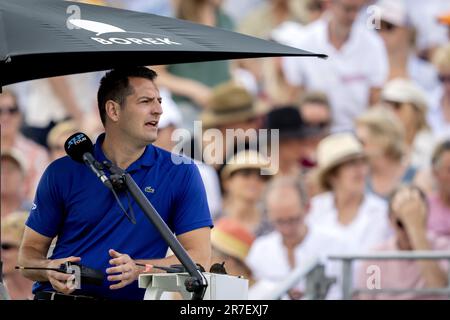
(139, 116)
(346, 11)
(10, 117)
(286, 212)
(315, 114)
(442, 173)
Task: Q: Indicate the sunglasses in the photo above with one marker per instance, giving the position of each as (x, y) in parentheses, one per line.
(8, 246)
(394, 104)
(444, 78)
(287, 221)
(9, 110)
(386, 26)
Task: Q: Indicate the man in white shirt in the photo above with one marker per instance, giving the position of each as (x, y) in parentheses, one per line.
(293, 244)
(356, 68)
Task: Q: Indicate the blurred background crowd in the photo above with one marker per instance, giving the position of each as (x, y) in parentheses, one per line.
(364, 137)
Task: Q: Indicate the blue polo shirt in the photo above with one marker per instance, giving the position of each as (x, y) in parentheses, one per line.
(72, 204)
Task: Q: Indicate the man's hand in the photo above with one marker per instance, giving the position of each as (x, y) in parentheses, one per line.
(61, 282)
(125, 270)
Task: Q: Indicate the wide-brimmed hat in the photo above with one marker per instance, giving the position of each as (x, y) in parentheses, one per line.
(393, 12)
(334, 150)
(246, 159)
(404, 91)
(288, 121)
(230, 103)
(17, 157)
(232, 238)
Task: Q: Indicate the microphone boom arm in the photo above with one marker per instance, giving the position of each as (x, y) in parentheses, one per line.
(197, 284)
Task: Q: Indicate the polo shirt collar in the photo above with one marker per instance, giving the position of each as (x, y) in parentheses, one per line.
(324, 35)
(147, 159)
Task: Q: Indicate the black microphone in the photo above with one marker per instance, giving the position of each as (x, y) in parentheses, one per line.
(79, 148)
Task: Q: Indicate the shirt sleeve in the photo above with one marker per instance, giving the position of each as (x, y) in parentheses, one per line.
(47, 212)
(192, 211)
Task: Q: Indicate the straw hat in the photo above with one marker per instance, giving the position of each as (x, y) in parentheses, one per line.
(246, 159)
(404, 91)
(16, 156)
(230, 103)
(335, 150)
(232, 238)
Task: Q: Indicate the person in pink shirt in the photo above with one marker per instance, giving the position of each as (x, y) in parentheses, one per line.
(11, 138)
(408, 212)
(439, 201)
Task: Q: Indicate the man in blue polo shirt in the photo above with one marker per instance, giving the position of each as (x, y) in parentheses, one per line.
(74, 206)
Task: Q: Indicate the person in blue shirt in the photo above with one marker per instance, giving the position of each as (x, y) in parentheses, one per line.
(73, 206)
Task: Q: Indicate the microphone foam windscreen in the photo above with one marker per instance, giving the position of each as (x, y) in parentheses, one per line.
(77, 145)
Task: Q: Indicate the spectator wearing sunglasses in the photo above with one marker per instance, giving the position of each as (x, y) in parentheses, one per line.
(355, 72)
(409, 104)
(297, 140)
(11, 138)
(19, 288)
(439, 115)
(244, 181)
(293, 244)
(399, 39)
(408, 211)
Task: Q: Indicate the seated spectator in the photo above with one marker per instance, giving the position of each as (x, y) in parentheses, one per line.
(11, 138)
(439, 201)
(231, 106)
(439, 115)
(13, 226)
(298, 141)
(399, 37)
(408, 215)
(409, 104)
(357, 217)
(351, 83)
(315, 110)
(292, 244)
(243, 183)
(384, 144)
(13, 196)
(57, 137)
(230, 242)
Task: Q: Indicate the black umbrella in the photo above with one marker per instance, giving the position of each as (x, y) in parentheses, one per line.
(45, 38)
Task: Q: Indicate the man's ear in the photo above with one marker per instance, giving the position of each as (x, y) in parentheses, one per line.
(112, 110)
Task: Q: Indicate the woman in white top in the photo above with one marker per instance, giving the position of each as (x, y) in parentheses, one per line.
(346, 210)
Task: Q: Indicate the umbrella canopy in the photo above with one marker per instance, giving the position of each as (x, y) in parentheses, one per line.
(45, 38)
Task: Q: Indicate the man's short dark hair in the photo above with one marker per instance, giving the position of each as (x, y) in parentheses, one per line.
(115, 86)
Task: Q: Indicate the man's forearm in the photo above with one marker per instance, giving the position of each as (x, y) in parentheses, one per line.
(30, 257)
(434, 276)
